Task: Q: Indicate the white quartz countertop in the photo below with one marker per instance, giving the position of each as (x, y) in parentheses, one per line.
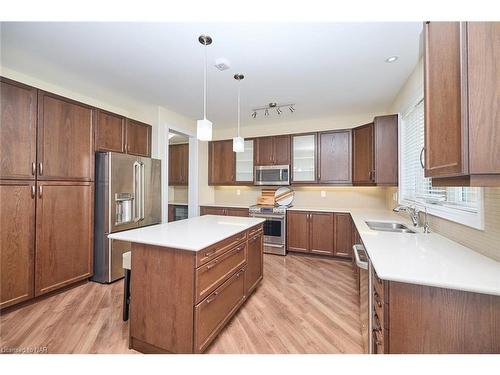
(192, 234)
(425, 259)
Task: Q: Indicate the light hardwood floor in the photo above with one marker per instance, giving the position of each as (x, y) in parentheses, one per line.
(304, 305)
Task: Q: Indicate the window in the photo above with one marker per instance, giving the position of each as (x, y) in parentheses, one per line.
(463, 205)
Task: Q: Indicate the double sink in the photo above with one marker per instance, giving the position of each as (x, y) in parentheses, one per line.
(385, 226)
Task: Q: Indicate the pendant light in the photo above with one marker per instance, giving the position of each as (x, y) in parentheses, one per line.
(204, 127)
(238, 142)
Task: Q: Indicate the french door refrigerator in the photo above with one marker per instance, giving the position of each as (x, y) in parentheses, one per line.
(127, 196)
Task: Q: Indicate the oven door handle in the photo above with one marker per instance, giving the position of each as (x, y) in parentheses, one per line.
(274, 245)
(269, 216)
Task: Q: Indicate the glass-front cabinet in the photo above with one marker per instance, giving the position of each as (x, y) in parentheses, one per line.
(244, 163)
(304, 158)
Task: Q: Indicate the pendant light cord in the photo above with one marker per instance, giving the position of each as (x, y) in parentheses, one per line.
(239, 83)
(205, 86)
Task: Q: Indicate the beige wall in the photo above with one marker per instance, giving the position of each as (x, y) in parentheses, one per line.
(485, 241)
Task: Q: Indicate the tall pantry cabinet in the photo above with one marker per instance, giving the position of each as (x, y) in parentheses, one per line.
(46, 192)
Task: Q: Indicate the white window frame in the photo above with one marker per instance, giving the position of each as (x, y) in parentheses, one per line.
(461, 216)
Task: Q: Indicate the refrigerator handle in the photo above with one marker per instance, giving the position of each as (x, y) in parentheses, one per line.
(142, 191)
(137, 174)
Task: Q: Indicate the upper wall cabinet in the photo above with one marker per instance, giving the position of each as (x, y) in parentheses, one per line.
(178, 164)
(17, 130)
(334, 164)
(221, 162)
(138, 138)
(375, 152)
(109, 132)
(244, 164)
(273, 150)
(65, 139)
(462, 96)
(304, 158)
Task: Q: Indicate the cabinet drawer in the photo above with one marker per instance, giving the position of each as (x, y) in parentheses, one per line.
(212, 274)
(212, 252)
(214, 311)
(380, 287)
(253, 231)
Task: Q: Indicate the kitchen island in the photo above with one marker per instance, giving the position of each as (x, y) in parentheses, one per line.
(189, 278)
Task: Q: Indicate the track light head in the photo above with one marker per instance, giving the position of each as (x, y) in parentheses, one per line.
(291, 109)
(254, 114)
(279, 111)
(266, 112)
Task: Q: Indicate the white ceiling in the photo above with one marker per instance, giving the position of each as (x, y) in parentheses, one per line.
(326, 69)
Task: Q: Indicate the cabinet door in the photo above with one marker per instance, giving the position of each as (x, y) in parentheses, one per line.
(65, 139)
(64, 230)
(221, 163)
(363, 162)
(231, 211)
(264, 151)
(444, 87)
(343, 235)
(207, 210)
(321, 232)
(244, 163)
(17, 240)
(281, 150)
(110, 132)
(297, 228)
(304, 158)
(17, 130)
(255, 259)
(335, 157)
(178, 160)
(386, 150)
(184, 163)
(138, 136)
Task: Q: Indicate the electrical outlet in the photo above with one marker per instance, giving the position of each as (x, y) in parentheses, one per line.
(238, 192)
(323, 194)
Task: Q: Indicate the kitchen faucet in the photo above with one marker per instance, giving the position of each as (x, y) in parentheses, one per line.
(412, 211)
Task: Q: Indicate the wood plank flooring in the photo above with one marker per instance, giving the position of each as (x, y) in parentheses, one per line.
(304, 305)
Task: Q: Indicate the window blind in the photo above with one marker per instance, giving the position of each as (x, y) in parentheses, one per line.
(414, 186)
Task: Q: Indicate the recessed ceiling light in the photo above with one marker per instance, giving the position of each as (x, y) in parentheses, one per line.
(391, 59)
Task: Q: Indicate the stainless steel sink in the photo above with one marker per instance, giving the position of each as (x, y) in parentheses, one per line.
(385, 226)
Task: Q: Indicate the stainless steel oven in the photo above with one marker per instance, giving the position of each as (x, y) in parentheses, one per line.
(272, 175)
(274, 228)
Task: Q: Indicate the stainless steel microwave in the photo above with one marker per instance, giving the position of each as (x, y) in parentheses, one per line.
(272, 175)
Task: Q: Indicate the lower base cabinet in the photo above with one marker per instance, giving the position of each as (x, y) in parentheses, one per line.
(317, 232)
(46, 237)
(64, 233)
(417, 319)
(17, 241)
(181, 300)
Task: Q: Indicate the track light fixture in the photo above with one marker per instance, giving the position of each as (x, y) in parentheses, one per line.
(274, 106)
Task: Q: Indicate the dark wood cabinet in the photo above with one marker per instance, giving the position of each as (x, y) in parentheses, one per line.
(274, 150)
(255, 260)
(297, 231)
(109, 132)
(363, 159)
(462, 91)
(334, 150)
(321, 232)
(17, 241)
(326, 233)
(17, 130)
(178, 164)
(65, 139)
(224, 211)
(64, 233)
(138, 138)
(221, 163)
(375, 152)
(343, 235)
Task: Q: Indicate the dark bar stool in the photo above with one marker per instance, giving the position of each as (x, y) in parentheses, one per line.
(126, 284)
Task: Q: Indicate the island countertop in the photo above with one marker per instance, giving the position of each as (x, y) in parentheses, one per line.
(193, 234)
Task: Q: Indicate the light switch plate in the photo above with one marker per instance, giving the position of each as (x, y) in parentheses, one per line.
(238, 192)
(323, 194)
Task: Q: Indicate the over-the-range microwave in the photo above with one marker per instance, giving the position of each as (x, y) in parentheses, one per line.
(272, 175)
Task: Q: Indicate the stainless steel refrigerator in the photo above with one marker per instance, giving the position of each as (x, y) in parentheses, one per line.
(127, 196)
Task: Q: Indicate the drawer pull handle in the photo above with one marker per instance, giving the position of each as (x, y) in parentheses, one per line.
(212, 297)
(377, 299)
(255, 237)
(208, 253)
(238, 249)
(212, 265)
